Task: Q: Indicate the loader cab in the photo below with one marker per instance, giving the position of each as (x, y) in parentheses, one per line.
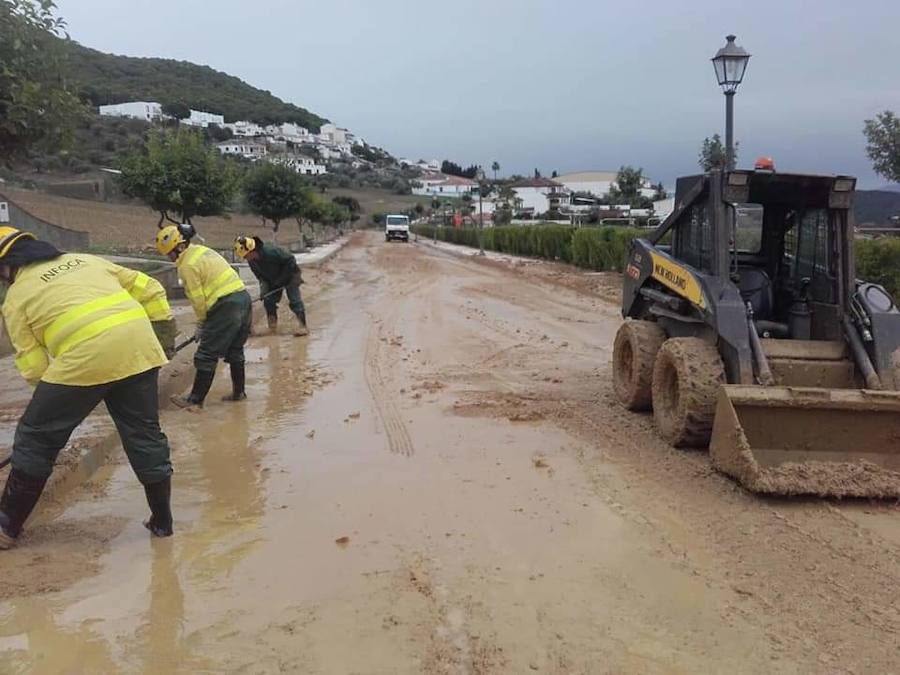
(782, 239)
(789, 250)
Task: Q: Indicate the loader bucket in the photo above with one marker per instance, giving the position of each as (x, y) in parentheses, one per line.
(806, 440)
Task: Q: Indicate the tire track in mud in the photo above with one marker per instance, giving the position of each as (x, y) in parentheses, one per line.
(399, 440)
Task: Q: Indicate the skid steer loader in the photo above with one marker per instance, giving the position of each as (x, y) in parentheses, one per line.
(747, 330)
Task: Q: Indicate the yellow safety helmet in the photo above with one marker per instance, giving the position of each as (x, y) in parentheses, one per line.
(243, 245)
(9, 236)
(168, 238)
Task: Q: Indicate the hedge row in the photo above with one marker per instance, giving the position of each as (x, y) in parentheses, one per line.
(604, 248)
(595, 248)
(878, 261)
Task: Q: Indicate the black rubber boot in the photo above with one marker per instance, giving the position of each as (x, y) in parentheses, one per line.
(301, 327)
(159, 497)
(18, 501)
(238, 377)
(203, 380)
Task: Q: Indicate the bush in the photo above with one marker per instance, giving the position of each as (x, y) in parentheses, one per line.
(878, 261)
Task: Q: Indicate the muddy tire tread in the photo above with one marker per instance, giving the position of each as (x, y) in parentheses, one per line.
(645, 338)
(700, 373)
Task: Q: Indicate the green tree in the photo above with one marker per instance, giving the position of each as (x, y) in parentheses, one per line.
(37, 109)
(177, 109)
(712, 155)
(351, 204)
(335, 214)
(883, 144)
(495, 167)
(276, 192)
(217, 134)
(176, 172)
(627, 188)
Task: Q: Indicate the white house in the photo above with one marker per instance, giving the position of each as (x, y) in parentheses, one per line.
(245, 129)
(246, 149)
(302, 165)
(149, 111)
(331, 133)
(539, 195)
(663, 207)
(597, 183)
(200, 118)
(442, 185)
(288, 132)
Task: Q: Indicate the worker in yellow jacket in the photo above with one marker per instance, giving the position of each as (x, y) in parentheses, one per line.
(84, 331)
(222, 306)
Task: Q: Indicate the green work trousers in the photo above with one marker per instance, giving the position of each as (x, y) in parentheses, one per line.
(224, 332)
(272, 296)
(56, 410)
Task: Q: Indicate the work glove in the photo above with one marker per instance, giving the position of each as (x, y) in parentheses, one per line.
(166, 331)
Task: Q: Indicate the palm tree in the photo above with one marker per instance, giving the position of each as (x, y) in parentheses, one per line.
(495, 167)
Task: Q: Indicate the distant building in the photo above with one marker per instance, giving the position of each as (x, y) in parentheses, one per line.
(539, 195)
(288, 132)
(331, 133)
(200, 118)
(148, 111)
(244, 129)
(596, 183)
(442, 185)
(663, 207)
(302, 165)
(246, 149)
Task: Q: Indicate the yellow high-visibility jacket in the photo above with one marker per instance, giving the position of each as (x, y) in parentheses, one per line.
(81, 320)
(206, 276)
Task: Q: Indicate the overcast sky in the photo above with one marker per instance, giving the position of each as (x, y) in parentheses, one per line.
(553, 84)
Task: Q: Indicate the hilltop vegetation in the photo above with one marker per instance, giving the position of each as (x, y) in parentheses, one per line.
(876, 207)
(107, 78)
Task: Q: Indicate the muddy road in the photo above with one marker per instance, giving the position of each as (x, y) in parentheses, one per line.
(438, 481)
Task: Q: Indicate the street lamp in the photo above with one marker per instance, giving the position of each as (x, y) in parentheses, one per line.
(481, 183)
(730, 63)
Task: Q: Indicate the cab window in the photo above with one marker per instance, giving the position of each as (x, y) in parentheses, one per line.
(694, 239)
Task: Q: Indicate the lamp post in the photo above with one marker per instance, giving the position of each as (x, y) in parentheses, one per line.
(481, 183)
(730, 64)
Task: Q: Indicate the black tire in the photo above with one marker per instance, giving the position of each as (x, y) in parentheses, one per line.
(634, 353)
(686, 379)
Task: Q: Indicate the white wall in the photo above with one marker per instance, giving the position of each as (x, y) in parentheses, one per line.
(242, 149)
(244, 128)
(142, 110)
(441, 190)
(596, 188)
(664, 207)
(201, 118)
(533, 198)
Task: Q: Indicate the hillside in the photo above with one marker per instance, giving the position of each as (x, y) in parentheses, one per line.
(131, 226)
(108, 78)
(876, 206)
